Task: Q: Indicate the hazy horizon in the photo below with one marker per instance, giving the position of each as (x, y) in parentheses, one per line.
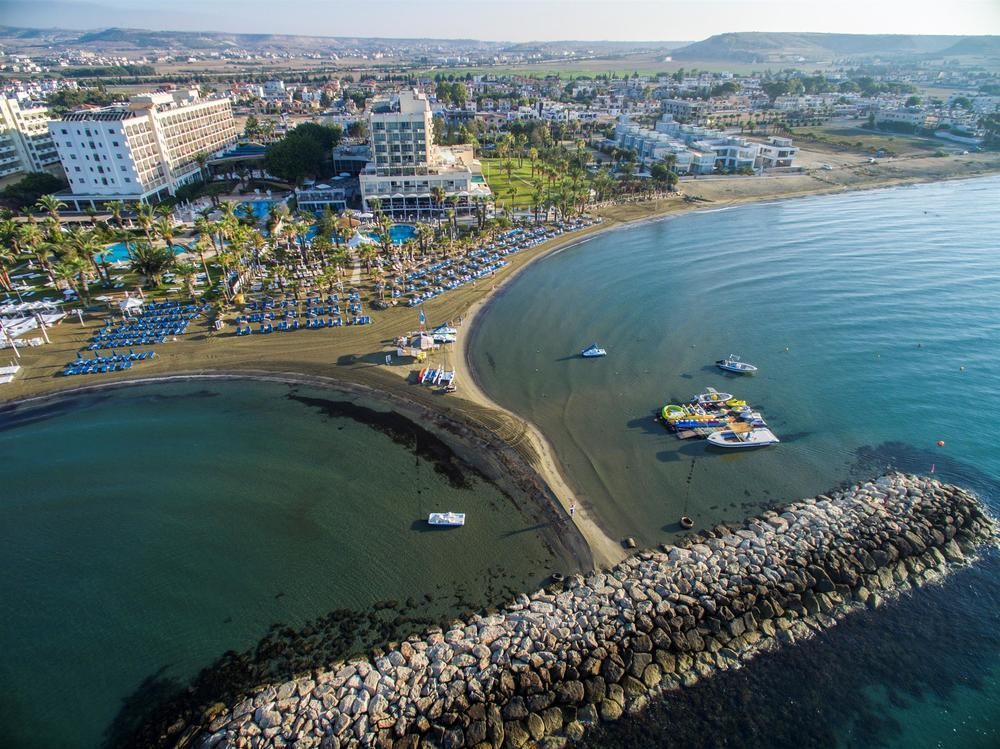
(514, 20)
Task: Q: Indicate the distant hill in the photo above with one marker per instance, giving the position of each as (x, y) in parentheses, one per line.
(978, 46)
(760, 46)
(127, 40)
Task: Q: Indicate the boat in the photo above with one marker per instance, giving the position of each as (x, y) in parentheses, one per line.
(733, 364)
(758, 437)
(711, 396)
(699, 423)
(421, 375)
(671, 412)
(450, 519)
(593, 350)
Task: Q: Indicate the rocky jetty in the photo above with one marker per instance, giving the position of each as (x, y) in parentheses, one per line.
(549, 665)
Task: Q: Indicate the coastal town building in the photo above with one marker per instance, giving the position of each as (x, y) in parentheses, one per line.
(25, 144)
(701, 150)
(143, 150)
(407, 169)
(318, 197)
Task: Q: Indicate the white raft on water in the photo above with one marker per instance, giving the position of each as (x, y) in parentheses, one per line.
(446, 518)
(751, 438)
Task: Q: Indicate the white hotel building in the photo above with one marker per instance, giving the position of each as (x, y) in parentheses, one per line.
(406, 165)
(141, 151)
(25, 145)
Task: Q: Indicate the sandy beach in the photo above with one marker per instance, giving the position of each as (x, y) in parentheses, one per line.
(357, 355)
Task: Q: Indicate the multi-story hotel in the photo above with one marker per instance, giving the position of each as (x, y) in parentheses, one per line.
(141, 151)
(25, 145)
(406, 166)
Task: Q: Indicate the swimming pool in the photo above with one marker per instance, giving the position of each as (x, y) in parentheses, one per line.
(118, 252)
(398, 233)
(258, 208)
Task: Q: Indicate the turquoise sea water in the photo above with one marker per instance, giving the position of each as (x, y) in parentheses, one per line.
(861, 311)
(146, 531)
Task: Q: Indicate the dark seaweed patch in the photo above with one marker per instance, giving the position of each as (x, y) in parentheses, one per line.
(399, 429)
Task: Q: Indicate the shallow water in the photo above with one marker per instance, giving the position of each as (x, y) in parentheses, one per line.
(146, 531)
(874, 320)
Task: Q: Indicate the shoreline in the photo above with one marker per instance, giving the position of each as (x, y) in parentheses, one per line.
(356, 370)
(566, 659)
(473, 446)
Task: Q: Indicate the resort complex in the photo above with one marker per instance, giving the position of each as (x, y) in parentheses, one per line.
(141, 151)
(410, 176)
(375, 393)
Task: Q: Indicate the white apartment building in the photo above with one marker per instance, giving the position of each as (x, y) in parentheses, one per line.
(406, 166)
(141, 151)
(777, 153)
(701, 150)
(25, 144)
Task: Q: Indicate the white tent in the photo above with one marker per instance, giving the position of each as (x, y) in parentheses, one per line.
(130, 304)
(359, 239)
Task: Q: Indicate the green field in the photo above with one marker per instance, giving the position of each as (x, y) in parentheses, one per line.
(860, 139)
(502, 187)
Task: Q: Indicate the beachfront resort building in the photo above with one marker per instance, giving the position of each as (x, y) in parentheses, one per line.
(406, 168)
(701, 150)
(25, 144)
(142, 150)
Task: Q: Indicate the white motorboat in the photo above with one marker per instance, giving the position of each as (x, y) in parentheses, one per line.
(450, 519)
(592, 351)
(712, 396)
(750, 438)
(732, 363)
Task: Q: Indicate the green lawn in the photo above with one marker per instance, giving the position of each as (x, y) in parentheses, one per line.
(870, 140)
(520, 178)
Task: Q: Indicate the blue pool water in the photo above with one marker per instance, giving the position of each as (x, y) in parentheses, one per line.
(258, 208)
(119, 251)
(399, 233)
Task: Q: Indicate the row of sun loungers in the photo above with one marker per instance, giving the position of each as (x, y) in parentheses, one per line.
(314, 324)
(105, 364)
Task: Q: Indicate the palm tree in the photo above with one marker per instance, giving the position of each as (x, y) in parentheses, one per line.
(51, 205)
(165, 229)
(202, 245)
(144, 217)
(85, 246)
(188, 271)
(70, 272)
(150, 261)
(202, 159)
(116, 208)
(437, 195)
(8, 259)
(453, 212)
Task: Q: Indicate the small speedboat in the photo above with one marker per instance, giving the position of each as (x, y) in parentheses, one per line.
(593, 350)
(451, 519)
(749, 438)
(733, 364)
(672, 412)
(711, 396)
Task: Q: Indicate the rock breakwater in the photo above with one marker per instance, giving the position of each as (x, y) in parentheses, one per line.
(548, 665)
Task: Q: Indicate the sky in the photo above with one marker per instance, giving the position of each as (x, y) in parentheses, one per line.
(514, 20)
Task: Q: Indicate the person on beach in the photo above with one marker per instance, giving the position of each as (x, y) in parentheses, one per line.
(572, 509)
